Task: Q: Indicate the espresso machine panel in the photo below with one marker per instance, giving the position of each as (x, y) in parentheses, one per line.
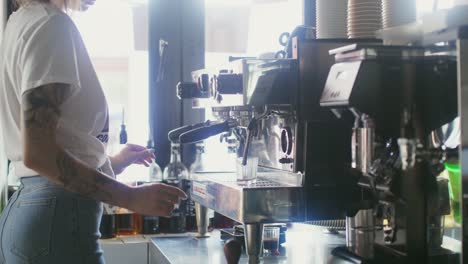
(389, 91)
(277, 147)
(271, 83)
(303, 151)
(339, 85)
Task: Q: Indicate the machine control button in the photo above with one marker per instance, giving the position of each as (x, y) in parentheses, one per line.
(204, 83)
(335, 94)
(229, 83)
(286, 160)
(188, 90)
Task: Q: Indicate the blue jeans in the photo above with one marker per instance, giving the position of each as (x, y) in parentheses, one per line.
(45, 224)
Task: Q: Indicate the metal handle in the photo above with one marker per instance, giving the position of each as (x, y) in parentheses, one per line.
(174, 135)
(284, 39)
(205, 132)
(201, 214)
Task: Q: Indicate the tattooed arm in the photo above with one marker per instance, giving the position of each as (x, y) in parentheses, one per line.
(41, 112)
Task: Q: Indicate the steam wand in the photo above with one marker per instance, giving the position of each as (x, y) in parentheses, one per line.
(251, 132)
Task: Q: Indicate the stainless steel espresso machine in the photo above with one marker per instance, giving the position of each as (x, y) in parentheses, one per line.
(270, 109)
(398, 97)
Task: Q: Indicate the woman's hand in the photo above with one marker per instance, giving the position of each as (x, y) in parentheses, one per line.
(131, 154)
(155, 199)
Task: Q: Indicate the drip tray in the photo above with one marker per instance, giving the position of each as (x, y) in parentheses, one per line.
(259, 183)
(274, 197)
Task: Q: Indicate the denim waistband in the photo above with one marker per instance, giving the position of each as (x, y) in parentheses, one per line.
(40, 185)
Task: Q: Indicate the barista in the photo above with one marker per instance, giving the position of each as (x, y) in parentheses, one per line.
(54, 118)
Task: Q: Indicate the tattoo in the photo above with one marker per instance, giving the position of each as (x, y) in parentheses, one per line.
(42, 107)
(69, 173)
(66, 168)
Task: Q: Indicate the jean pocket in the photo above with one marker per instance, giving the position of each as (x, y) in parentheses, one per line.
(32, 231)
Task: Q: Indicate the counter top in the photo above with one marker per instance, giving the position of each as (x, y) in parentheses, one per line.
(304, 244)
(140, 238)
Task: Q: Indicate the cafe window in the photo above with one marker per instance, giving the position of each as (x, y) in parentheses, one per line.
(115, 34)
(247, 27)
(428, 6)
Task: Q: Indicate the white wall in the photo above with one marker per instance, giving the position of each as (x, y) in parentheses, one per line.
(3, 16)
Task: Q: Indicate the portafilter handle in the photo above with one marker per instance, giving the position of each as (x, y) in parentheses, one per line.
(174, 135)
(206, 131)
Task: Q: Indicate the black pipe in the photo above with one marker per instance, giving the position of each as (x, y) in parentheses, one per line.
(309, 13)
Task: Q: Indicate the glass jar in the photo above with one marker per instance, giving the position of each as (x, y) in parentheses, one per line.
(150, 224)
(176, 174)
(175, 171)
(198, 165)
(155, 173)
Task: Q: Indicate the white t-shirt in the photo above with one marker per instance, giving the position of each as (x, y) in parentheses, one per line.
(41, 45)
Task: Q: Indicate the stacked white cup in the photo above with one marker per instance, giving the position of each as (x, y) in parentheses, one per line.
(364, 18)
(331, 18)
(398, 12)
(460, 2)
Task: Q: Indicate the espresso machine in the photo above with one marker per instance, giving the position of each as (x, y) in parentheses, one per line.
(271, 109)
(397, 96)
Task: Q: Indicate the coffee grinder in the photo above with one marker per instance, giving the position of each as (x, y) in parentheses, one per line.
(397, 97)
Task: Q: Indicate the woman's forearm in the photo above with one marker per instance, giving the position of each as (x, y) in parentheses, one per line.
(115, 165)
(64, 169)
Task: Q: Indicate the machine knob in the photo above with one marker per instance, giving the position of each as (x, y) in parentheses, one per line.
(232, 251)
(229, 84)
(204, 83)
(286, 140)
(188, 90)
(286, 161)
